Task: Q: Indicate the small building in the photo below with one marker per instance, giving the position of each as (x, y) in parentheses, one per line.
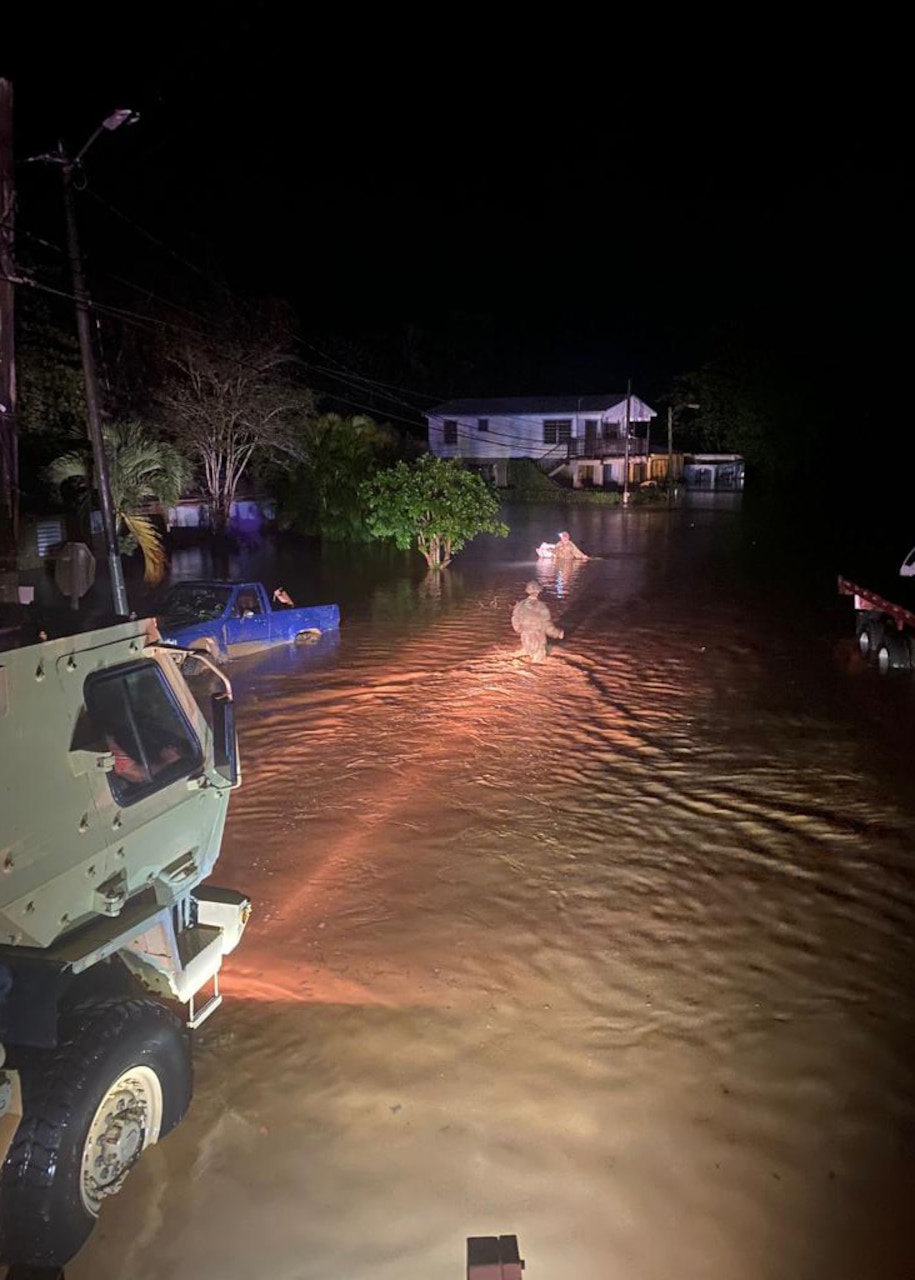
(713, 471)
(246, 515)
(584, 437)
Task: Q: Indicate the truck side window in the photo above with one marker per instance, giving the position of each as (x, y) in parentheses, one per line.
(247, 605)
(135, 716)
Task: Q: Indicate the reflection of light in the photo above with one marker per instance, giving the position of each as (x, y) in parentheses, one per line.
(308, 985)
(404, 729)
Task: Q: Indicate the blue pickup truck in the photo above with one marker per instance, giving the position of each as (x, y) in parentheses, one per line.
(228, 619)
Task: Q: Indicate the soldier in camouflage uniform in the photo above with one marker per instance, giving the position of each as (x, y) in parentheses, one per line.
(565, 552)
(533, 623)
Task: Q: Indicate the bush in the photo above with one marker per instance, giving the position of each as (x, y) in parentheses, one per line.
(527, 483)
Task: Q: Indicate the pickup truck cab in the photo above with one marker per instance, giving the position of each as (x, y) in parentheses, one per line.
(229, 619)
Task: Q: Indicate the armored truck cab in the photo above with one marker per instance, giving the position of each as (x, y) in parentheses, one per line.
(115, 777)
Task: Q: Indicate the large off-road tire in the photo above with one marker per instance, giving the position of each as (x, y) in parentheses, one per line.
(870, 635)
(895, 652)
(119, 1080)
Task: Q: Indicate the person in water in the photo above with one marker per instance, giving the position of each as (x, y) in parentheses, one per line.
(532, 621)
(565, 550)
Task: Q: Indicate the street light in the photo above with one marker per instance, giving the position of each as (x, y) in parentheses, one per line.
(122, 116)
(109, 523)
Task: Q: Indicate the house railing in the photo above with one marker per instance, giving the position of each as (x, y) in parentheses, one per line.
(603, 447)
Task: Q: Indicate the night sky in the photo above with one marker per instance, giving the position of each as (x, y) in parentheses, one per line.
(580, 222)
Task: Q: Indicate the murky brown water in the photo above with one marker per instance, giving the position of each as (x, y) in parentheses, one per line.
(615, 953)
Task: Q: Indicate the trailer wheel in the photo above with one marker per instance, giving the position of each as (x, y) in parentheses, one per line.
(119, 1080)
(870, 636)
(895, 652)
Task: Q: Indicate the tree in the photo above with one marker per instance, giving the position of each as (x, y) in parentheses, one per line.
(436, 503)
(753, 404)
(232, 406)
(52, 397)
(142, 470)
(323, 494)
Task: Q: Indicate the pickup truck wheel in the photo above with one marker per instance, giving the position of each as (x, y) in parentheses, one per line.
(895, 652)
(311, 636)
(119, 1080)
(870, 637)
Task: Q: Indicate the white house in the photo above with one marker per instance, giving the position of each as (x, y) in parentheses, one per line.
(554, 430)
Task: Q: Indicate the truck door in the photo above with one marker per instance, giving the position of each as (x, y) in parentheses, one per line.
(248, 624)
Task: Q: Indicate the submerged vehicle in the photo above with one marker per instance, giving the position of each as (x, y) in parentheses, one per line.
(228, 619)
(114, 789)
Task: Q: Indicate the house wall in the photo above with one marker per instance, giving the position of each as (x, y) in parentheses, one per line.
(521, 436)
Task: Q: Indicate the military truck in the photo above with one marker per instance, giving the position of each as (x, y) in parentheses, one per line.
(116, 767)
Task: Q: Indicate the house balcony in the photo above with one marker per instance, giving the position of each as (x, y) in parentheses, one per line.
(605, 447)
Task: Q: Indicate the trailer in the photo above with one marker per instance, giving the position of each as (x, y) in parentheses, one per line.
(885, 628)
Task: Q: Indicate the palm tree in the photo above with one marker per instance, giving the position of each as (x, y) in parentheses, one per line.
(142, 470)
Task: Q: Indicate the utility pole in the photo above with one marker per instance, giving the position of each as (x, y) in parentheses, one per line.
(109, 523)
(9, 440)
(626, 464)
(672, 412)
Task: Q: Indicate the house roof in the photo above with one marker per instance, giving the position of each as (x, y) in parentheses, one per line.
(508, 405)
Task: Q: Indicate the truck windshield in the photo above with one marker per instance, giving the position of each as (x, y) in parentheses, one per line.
(134, 715)
(194, 602)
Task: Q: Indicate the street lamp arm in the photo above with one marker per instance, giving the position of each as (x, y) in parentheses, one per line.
(123, 115)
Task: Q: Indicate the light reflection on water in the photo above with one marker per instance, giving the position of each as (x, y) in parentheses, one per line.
(615, 953)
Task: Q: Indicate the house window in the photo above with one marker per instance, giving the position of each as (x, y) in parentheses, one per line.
(449, 432)
(482, 424)
(557, 430)
(132, 714)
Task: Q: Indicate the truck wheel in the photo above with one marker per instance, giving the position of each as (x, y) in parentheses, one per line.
(895, 652)
(870, 636)
(119, 1080)
(312, 636)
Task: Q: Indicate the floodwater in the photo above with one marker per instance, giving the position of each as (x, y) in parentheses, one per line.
(615, 953)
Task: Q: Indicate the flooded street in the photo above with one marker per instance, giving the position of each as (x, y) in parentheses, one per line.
(614, 953)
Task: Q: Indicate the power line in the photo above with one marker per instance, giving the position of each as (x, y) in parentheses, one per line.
(156, 240)
(373, 381)
(148, 321)
(368, 383)
(359, 382)
(359, 385)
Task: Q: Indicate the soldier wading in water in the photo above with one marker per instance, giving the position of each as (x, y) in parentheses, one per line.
(533, 623)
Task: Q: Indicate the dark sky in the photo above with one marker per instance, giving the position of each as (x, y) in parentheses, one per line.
(607, 222)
